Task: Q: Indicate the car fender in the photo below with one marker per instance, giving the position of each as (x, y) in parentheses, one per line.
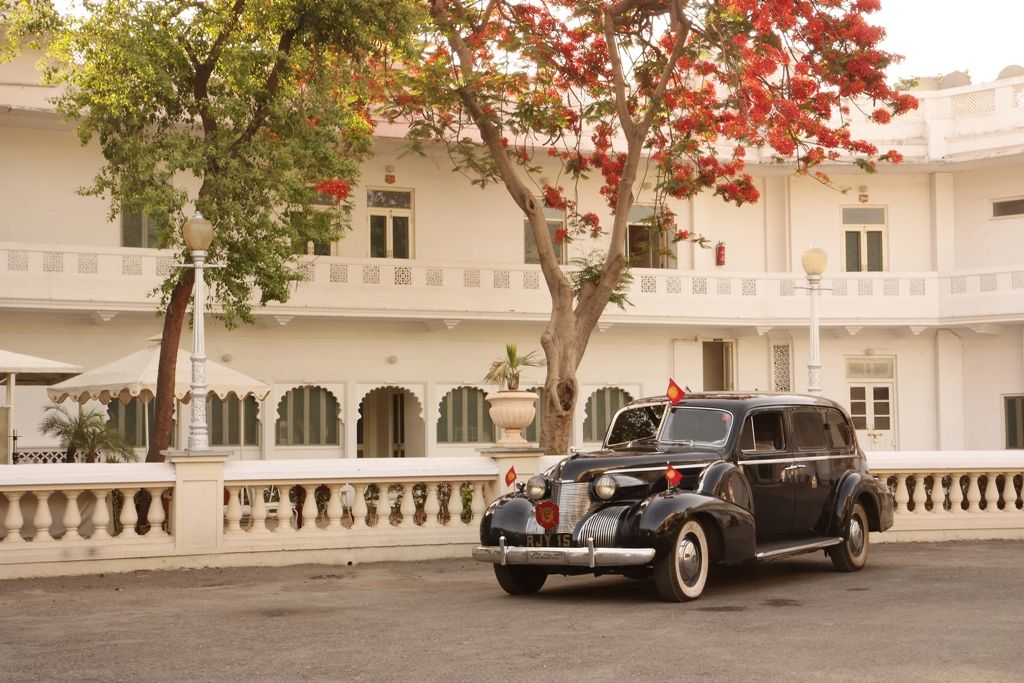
(509, 513)
(850, 489)
(664, 513)
(725, 481)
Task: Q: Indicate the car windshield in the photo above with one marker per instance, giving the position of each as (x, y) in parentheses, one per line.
(635, 423)
(705, 426)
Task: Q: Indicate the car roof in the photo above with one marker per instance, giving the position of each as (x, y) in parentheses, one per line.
(741, 401)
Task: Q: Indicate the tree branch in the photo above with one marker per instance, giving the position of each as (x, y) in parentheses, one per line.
(618, 78)
(259, 115)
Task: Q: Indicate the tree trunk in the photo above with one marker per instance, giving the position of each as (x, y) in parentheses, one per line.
(174, 319)
(562, 353)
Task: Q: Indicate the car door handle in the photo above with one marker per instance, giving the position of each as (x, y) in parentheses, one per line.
(795, 467)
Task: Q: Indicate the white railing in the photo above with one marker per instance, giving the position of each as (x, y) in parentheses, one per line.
(73, 518)
(124, 278)
(77, 518)
(38, 455)
(939, 496)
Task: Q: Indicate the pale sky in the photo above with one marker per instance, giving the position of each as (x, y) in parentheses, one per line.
(939, 36)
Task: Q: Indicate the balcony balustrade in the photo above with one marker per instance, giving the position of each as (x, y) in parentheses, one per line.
(116, 280)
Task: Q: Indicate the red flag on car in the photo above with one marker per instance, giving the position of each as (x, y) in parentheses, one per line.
(510, 476)
(674, 392)
(672, 475)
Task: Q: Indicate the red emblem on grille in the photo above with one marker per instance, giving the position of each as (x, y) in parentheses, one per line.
(547, 514)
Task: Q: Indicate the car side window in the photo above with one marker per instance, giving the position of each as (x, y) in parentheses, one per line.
(763, 433)
(809, 429)
(839, 433)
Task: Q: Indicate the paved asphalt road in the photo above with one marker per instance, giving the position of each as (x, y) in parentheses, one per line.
(918, 612)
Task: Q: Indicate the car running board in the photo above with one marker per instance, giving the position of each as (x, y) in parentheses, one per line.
(772, 551)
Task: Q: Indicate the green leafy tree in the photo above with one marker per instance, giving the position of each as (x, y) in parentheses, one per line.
(247, 111)
(627, 91)
(87, 435)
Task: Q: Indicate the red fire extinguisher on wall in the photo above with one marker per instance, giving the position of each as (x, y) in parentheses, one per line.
(720, 254)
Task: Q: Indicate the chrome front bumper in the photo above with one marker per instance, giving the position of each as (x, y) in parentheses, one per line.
(555, 556)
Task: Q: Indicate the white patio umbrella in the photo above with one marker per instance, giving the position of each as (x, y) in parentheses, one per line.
(134, 376)
(20, 368)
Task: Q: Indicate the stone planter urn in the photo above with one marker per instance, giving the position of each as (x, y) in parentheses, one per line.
(511, 412)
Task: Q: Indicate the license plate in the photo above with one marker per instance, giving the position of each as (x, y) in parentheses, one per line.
(549, 541)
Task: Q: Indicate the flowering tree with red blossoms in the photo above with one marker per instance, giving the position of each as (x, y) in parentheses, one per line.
(678, 89)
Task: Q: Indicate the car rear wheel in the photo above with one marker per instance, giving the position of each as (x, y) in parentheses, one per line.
(680, 573)
(519, 579)
(852, 554)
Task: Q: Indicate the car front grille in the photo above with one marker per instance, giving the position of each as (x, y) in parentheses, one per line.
(573, 501)
(602, 526)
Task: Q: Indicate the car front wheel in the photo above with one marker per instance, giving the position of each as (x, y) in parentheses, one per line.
(680, 573)
(520, 580)
(852, 554)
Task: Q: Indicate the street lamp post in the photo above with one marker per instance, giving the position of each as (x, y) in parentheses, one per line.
(198, 233)
(814, 261)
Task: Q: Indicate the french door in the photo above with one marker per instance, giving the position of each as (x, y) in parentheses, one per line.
(871, 407)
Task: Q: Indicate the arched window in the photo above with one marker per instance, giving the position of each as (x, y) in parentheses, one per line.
(307, 416)
(232, 422)
(131, 420)
(464, 417)
(532, 431)
(601, 408)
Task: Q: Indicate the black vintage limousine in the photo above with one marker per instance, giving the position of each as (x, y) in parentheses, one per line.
(716, 478)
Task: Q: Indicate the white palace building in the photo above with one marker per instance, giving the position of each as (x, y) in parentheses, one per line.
(382, 348)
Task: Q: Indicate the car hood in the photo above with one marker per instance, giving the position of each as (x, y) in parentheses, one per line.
(649, 462)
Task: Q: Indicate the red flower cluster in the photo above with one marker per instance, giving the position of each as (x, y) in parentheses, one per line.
(553, 198)
(338, 189)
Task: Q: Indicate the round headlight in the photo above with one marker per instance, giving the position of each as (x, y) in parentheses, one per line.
(605, 487)
(537, 487)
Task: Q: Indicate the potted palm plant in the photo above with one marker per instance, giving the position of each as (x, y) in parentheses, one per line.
(86, 436)
(511, 410)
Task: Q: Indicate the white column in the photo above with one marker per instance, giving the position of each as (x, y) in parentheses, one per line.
(72, 516)
(902, 496)
(408, 507)
(258, 510)
(198, 521)
(334, 507)
(949, 390)
(14, 520)
(814, 362)
(233, 515)
(284, 510)
(432, 507)
(1009, 493)
(956, 494)
(478, 505)
(156, 515)
(359, 508)
(43, 517)
(455, 503)
(100, 515)
(973, 493)
(943, 210)
(938, 494)
(198, 436)
(991, 493)
(309, 510)
(129, 516)
(919, 495)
